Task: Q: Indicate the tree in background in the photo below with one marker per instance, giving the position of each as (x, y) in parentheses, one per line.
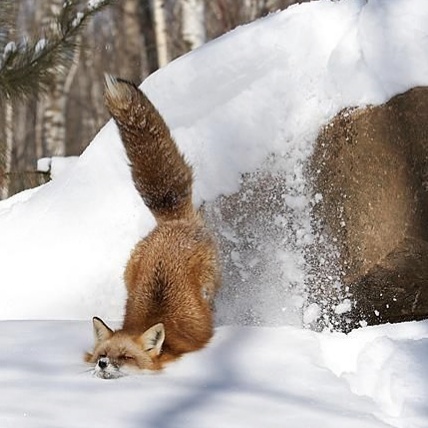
(31, 67)
(67, 54)
(27, 67)
(193, 23)
(159, 18)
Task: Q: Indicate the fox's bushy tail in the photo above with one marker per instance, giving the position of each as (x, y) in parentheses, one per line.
(160, 173)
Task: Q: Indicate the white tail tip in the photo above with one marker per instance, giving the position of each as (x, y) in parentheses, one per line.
(111, 85)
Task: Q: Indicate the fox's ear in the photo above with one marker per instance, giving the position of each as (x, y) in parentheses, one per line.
(101, 330)
(152, 339)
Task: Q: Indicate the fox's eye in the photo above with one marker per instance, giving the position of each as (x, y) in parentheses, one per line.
(127, 357)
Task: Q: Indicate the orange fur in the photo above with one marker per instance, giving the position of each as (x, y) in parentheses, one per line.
(172, 274)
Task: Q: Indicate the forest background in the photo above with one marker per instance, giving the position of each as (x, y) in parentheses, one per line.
(128, 38)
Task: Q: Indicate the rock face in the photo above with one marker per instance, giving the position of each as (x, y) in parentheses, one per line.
(371, 168)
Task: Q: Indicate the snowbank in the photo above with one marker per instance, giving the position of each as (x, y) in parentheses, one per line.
(265, 87)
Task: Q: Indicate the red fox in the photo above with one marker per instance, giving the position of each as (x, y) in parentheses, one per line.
(172, 274)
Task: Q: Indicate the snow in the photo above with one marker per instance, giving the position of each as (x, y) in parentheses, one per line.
(9, 49)
(77, 20)
(56, 165)
(94, 4)
(264, 88)
(373, 378)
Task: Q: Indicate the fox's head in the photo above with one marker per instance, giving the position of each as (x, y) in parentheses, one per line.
(117, 353)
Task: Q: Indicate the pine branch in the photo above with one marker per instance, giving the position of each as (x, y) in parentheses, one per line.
(28, 67)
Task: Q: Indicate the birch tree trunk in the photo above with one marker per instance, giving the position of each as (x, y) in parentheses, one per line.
(6, 146)
(133, 60)
(159, 18)
(90, 89)
(7, 155)
(193, 23)
(149, 34)
(54, 116)
(256, 8)
(54, 121)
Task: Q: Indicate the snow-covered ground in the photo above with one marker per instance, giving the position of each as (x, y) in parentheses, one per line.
(247, 377)
(264, 88)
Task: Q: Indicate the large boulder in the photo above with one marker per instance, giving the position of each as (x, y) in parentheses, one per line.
(371, 167)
